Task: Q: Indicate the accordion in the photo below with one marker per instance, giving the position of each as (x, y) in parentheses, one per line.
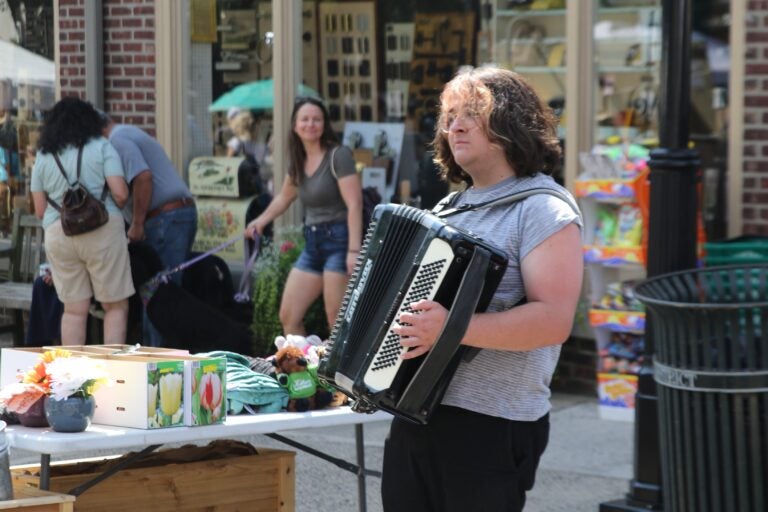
(408, 255)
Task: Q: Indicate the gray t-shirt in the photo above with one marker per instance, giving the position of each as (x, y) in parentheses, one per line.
(99, 161)
(320, 193)
(509, 384)
(139, 152)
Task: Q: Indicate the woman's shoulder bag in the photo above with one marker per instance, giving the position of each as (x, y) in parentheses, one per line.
(80, 211)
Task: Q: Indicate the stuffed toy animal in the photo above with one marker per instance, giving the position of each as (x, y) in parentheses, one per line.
(311, 346)
(293, 372)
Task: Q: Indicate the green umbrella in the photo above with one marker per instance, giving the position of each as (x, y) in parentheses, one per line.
(257, 95)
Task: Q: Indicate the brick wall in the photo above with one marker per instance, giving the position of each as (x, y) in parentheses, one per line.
(755, 197)
(72, 47)
(129, 61)
(129, 57)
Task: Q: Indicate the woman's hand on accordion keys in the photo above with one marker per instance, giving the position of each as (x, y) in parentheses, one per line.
(419, 330)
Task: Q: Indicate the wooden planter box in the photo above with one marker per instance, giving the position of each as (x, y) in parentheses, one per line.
(27, 499)
(263, 482)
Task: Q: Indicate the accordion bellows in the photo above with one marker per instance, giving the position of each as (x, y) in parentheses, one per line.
(408, 255)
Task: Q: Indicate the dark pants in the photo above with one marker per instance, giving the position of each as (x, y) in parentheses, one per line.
(462, 461)
(171, 235)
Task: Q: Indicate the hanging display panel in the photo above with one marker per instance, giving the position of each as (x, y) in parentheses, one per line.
(348, 56)
(441, 43)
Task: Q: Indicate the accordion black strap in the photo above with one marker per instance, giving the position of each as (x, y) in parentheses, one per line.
(439, 357)
(445, 207)
(77, 179)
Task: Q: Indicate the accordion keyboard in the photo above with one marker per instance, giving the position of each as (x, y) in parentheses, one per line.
(426, 281)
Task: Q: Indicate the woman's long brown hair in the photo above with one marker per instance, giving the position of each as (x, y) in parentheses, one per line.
(296, 151)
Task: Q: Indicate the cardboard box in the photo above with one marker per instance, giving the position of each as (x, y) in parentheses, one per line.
(135, 390)
(16, 361)
(205, 390)
(202, 375)
(31, 499)
(125, 348)
(205, 387)
(147, 392)
(116, 349)
(263, 482)
(616, 396)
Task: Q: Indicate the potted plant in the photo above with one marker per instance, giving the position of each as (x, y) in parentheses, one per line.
(64, 384)
(270, 273)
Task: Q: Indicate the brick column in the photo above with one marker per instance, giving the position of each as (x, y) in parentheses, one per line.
(129, 57)
(129, 62)
(755, 196)
(72, 47)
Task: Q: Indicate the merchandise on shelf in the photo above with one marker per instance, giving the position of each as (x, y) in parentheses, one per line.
(629, 227)
(614, 255)
(618, 321)
(618, 227)
(614, 162)
(618, 310)
(529, 37)
(613, 193)
(606, 225)
(616, 395)
(605, 188)
(620, 297)
(623, 354)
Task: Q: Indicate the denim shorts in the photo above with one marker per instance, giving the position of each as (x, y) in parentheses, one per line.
(325, 248)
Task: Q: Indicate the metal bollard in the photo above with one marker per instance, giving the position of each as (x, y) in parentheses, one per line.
(6, 485)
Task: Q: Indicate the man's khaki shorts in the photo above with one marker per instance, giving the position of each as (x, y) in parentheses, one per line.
(94, 264)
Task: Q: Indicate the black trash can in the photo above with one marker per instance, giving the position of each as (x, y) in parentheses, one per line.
(710, 329)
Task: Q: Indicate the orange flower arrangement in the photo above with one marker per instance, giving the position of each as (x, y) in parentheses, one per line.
(33, 385)
(38, 373)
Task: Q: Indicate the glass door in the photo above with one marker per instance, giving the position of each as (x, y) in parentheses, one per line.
(529, 37)
(627, 43)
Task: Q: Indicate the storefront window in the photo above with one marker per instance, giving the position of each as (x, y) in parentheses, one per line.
(230, 114)
(380, 66)
(231, 46)
(27, 76)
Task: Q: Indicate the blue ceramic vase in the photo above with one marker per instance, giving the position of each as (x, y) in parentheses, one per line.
(73, 414)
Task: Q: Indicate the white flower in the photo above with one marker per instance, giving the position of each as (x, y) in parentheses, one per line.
(75, 376)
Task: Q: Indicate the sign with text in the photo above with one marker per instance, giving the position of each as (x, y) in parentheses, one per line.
(214, 176)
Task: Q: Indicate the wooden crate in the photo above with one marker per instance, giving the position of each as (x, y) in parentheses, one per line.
(255, 483)
(28, 499)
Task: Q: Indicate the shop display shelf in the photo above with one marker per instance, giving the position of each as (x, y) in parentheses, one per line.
(606, 255)
(617, 321)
